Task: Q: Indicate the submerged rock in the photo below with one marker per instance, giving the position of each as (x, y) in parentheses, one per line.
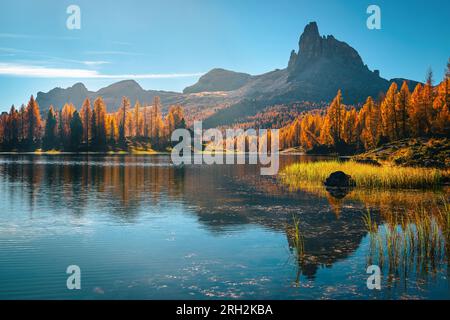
(339, 179)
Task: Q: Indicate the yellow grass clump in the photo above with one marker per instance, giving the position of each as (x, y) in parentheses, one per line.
(365, 175)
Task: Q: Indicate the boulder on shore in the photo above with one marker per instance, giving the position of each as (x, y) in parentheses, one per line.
(339, 179)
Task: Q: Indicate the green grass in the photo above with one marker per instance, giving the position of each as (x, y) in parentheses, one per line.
(365, 175)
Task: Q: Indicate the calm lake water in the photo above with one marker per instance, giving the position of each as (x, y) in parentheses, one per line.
(140, 228)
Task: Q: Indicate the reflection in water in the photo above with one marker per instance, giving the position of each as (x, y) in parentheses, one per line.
(111, 195)
(120, 183)
(408, 229)
(414, 244)
(297, 244)
(339, 192)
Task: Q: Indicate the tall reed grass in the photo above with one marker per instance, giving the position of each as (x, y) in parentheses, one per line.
(416, 241)
(297, 244)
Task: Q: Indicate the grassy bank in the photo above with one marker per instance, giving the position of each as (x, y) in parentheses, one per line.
(365, 175)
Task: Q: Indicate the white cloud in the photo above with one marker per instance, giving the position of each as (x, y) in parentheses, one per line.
(43, 72)
(31, 71)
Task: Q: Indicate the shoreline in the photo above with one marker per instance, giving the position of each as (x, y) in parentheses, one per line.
(58, 153)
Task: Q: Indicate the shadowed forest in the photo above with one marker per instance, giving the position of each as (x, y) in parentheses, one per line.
(90, 128)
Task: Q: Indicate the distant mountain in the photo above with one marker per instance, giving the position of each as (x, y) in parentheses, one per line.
(219, 80)
(314, 73)
(112, 95)
(58, 96)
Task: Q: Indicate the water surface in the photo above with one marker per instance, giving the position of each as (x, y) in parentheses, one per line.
(140, 228)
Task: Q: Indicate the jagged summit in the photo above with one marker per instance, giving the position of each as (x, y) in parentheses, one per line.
(310, 42)
(313, 47)
(323, 64)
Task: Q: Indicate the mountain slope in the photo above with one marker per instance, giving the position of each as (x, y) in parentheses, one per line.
(58, 96)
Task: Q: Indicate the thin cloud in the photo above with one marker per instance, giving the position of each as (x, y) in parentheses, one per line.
(116, 53)
(47, 37)
(30, 71)
(94, 63)
(121, 43)
(13, 52)
(34, 36)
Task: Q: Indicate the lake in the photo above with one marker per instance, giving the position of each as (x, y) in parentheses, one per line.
(141, 228)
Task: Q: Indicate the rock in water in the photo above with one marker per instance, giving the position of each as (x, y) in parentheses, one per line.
(339, 179)
(339, 192)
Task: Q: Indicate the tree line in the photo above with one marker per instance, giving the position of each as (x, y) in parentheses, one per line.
(91, 128)
(396, 114)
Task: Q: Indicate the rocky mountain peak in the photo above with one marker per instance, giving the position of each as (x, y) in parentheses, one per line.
(313, 47)
(310, 41)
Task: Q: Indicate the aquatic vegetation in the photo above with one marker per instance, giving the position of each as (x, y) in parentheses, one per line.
(370, 224)
(365, 175)
(297, 244)
(414, 243)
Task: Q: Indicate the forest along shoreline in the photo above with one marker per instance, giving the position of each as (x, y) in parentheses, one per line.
(399, 129)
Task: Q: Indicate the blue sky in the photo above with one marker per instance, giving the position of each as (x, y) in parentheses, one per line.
(168, 44)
